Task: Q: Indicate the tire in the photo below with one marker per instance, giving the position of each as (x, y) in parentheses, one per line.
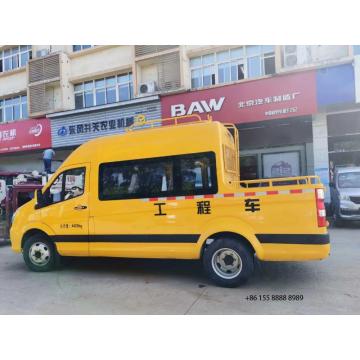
(228, 262)
(40, 254)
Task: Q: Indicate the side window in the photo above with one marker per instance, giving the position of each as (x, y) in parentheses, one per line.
(67, 185)
(198, 175)
(55, 190)
(168, 176)
(74, 183)
(136, 179)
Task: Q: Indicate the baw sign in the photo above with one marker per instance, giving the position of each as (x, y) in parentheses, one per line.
(265, 99)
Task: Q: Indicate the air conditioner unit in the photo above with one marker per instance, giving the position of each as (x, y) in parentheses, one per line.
(147, 88)
(296, 55)
(42, 52)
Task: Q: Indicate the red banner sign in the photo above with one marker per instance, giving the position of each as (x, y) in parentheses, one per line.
(265, 99)
(25, 135)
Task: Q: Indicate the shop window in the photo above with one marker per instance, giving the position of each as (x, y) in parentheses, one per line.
(103, 91)
(356, 49)
(281, 164)
(232, 65)
(14, 108)
(15, 57)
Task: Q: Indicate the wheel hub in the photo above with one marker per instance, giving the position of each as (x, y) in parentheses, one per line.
(227, 263)
(39, 254)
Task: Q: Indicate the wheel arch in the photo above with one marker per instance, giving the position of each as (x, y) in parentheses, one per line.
(32, 232)
(227, 234)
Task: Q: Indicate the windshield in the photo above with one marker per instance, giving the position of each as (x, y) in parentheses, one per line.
(349, 180)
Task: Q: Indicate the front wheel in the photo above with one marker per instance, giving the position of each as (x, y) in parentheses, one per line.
(39, 253)
(228, 262)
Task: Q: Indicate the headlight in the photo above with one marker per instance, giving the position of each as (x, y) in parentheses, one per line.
(344, 197)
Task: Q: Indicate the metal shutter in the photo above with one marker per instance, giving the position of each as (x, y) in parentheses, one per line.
(45, 68)
(141, 50)
(169, 71)
(37, 102)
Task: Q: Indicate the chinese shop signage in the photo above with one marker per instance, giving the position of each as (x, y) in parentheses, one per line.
(265, 99)
(95, 126)
(75, 129)
(25, 135)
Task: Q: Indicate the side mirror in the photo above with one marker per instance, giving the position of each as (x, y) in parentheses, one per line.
(331, 184)
(40, 199)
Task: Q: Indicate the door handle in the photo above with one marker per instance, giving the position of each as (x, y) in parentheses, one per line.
(80, 207)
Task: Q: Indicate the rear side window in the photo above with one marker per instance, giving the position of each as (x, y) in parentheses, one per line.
(196, 174)
(136, 179)
(167, 176)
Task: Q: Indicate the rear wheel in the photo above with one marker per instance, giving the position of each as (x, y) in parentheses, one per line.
(40, 254)
(228, 262)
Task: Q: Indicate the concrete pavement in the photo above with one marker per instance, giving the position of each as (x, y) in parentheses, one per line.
(122, 286)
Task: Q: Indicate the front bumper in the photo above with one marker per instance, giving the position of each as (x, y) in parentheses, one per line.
(15, 239)
(349, 210)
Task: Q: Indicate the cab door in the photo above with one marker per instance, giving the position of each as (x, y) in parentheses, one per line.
(67, 210)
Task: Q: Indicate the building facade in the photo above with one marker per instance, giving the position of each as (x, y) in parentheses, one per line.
(296, 107)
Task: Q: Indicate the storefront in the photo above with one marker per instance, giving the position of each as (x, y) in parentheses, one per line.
(344, 126)
(72, 128)
(344, 138)
(22, 143)
(273, 115)
(336, 96)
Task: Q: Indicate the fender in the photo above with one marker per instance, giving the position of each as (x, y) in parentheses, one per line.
(16, 239)
(229, 224)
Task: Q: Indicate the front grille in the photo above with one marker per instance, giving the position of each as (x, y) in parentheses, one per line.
(350, 212)
(355, 199)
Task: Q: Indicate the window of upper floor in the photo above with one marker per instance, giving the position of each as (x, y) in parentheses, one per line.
(81, 47)
(300, 55)
(15, 57)
(232, 64)
(356, 49)
(13, 108)
(103, 91)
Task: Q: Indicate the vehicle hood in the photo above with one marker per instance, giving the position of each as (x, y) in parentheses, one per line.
(350, 191)
(27, 211)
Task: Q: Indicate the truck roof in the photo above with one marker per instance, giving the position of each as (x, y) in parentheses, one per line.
(152, 142)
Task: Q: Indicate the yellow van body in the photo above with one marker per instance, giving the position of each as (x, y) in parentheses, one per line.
(278, 222)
